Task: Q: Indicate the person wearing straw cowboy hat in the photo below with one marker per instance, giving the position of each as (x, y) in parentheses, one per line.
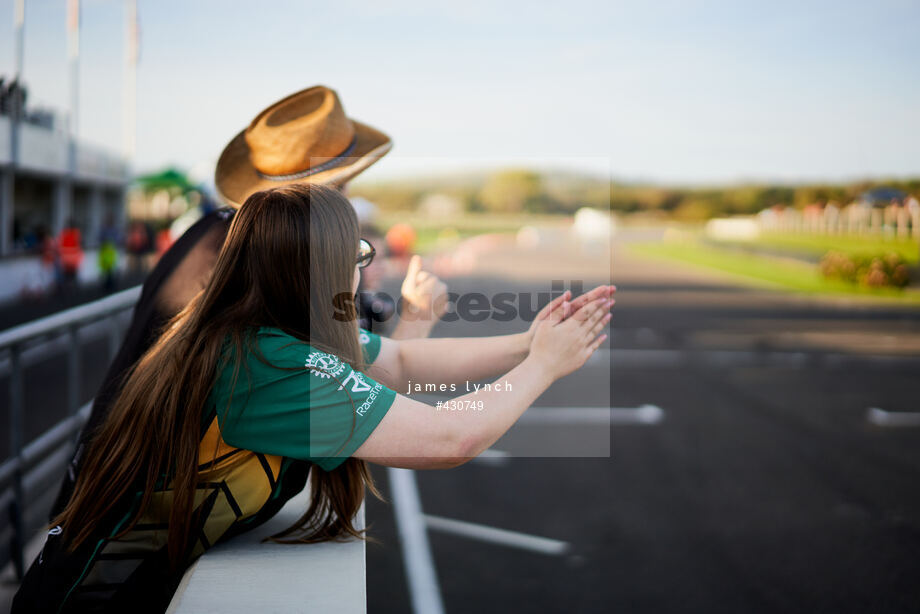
(303, 138)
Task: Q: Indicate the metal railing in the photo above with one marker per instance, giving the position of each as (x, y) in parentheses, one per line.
(33, 469)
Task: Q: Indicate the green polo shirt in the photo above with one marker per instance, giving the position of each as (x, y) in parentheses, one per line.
(299, 402)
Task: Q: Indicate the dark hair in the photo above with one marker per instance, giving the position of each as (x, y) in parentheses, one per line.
(288, 258)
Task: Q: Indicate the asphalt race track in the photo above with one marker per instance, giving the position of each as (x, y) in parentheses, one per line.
(764, 488)
(778, 472)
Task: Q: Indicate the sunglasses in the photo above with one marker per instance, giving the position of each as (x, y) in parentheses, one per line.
(366, 253)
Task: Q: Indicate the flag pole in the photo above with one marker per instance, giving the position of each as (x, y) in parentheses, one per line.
(73, 30)
(129, 95)
(18, 52)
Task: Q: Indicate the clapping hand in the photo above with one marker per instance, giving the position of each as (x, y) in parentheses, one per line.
(561, 344)
(570, 307)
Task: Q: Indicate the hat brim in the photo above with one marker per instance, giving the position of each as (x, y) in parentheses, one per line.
(236, 178)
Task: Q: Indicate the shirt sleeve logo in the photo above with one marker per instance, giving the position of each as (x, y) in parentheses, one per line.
(364, 338)
(324, 365)
(358, 384)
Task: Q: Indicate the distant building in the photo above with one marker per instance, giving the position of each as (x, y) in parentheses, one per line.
(44, 184)
(590, 223)
(440, 205)
(739, 228)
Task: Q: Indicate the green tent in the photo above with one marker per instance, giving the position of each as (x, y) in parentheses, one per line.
(169, 179)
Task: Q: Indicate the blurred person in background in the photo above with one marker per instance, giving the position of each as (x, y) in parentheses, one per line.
(137, 246)
(50, 259)
(107, 259)
(191, 454)
(400, 240)
(164, 241)
(37, 283)
(71, 253)
(423, 294)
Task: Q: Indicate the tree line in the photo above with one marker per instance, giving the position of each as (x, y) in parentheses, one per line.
(528, 191)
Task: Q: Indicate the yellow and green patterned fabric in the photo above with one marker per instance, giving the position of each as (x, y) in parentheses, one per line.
(281, 409)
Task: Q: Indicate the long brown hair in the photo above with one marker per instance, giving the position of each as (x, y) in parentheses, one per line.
(287, 262)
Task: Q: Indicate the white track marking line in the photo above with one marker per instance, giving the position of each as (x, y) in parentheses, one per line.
(634, 357)
(493, 535)
(493, 457)
(880, 417)
(407, 506)
(644, 414)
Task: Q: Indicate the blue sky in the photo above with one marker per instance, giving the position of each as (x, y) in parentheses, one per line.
(680, 92)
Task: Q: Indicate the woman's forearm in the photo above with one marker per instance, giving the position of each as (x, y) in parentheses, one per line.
(482, 417)
(459, 360)
(409, 328)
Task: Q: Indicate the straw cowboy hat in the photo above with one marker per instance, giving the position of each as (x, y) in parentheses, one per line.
(304, 138)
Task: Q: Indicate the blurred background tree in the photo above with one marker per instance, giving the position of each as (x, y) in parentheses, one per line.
(516, 190)
(512, 191)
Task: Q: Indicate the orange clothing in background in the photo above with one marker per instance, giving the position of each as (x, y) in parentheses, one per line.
(164, 241)
(70, 250)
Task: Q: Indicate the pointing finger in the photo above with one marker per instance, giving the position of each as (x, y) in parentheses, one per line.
(415, 265)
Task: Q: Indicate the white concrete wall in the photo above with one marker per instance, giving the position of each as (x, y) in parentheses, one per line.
(46, 151)
(244, 575)
(41, 149)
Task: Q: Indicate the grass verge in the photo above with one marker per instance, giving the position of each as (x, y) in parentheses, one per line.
(768, 271)
(818, 245)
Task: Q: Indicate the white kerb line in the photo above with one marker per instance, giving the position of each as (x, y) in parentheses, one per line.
(880, 417)
(644, 414)
(494, 535)
(420, 573)
(493, 457)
